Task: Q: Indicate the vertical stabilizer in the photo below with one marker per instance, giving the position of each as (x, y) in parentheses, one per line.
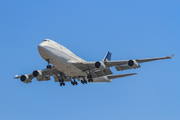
(107, 57)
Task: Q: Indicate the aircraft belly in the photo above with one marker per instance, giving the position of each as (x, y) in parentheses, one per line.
(60, 63)
(69, 70)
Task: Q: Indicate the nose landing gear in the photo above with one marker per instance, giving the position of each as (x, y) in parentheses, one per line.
(48, 66)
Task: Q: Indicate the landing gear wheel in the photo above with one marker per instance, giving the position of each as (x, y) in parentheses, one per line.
(61, 82)
(82, 81)
(48, 66)
(90, 80)
(74, 82)
(89, 76)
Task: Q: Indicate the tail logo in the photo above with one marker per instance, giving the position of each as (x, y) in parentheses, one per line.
(107, 57)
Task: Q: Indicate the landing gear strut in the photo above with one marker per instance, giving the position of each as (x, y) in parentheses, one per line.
(90, 78)
(61, 82)
(48, 66)
(74, 82)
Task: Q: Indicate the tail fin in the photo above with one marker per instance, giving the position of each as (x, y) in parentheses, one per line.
(107, 57)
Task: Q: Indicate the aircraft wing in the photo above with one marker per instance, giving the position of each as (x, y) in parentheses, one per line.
(119, 65)
(124, 62)
(89, 67)
(43, 75)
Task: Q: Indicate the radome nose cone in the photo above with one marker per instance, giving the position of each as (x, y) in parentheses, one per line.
(41, 47)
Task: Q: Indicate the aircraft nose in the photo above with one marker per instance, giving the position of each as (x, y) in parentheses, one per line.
(42, 48)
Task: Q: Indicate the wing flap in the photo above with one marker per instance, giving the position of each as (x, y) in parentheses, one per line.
(101, 73)
(121, 68)
(115, 63)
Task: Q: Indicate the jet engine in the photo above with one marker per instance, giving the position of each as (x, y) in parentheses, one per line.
(100, 65)
(97, 64)
(39, 75)
(25, 78)
(133, 63)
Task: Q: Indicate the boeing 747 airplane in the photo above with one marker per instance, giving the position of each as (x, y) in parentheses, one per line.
(67, 67)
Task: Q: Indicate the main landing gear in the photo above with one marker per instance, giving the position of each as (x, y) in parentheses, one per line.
(61, 82)
(48, 66)
(84, 81)
(74, 82)
(90, 78)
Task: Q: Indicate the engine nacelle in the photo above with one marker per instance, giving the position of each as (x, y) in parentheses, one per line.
(37, 73)
(133, 63)
(100, 65)
(25, 78)
(97, 64)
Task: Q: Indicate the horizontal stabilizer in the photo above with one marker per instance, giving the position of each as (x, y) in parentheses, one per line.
(171, 56)
(17, 77)
(120, 76)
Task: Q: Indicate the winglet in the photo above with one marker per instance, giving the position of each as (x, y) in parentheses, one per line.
(172, 56)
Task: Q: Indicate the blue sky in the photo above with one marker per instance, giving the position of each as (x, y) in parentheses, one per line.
(129, 29)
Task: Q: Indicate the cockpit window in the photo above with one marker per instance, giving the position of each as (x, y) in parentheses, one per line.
(46, 40)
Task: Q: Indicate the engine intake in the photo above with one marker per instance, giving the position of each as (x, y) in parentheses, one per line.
(130, 62)
(97, 64)
(37, 73)
(133, 63)
(25, 78)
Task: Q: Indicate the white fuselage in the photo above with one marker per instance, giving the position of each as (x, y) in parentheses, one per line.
(62, 59)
